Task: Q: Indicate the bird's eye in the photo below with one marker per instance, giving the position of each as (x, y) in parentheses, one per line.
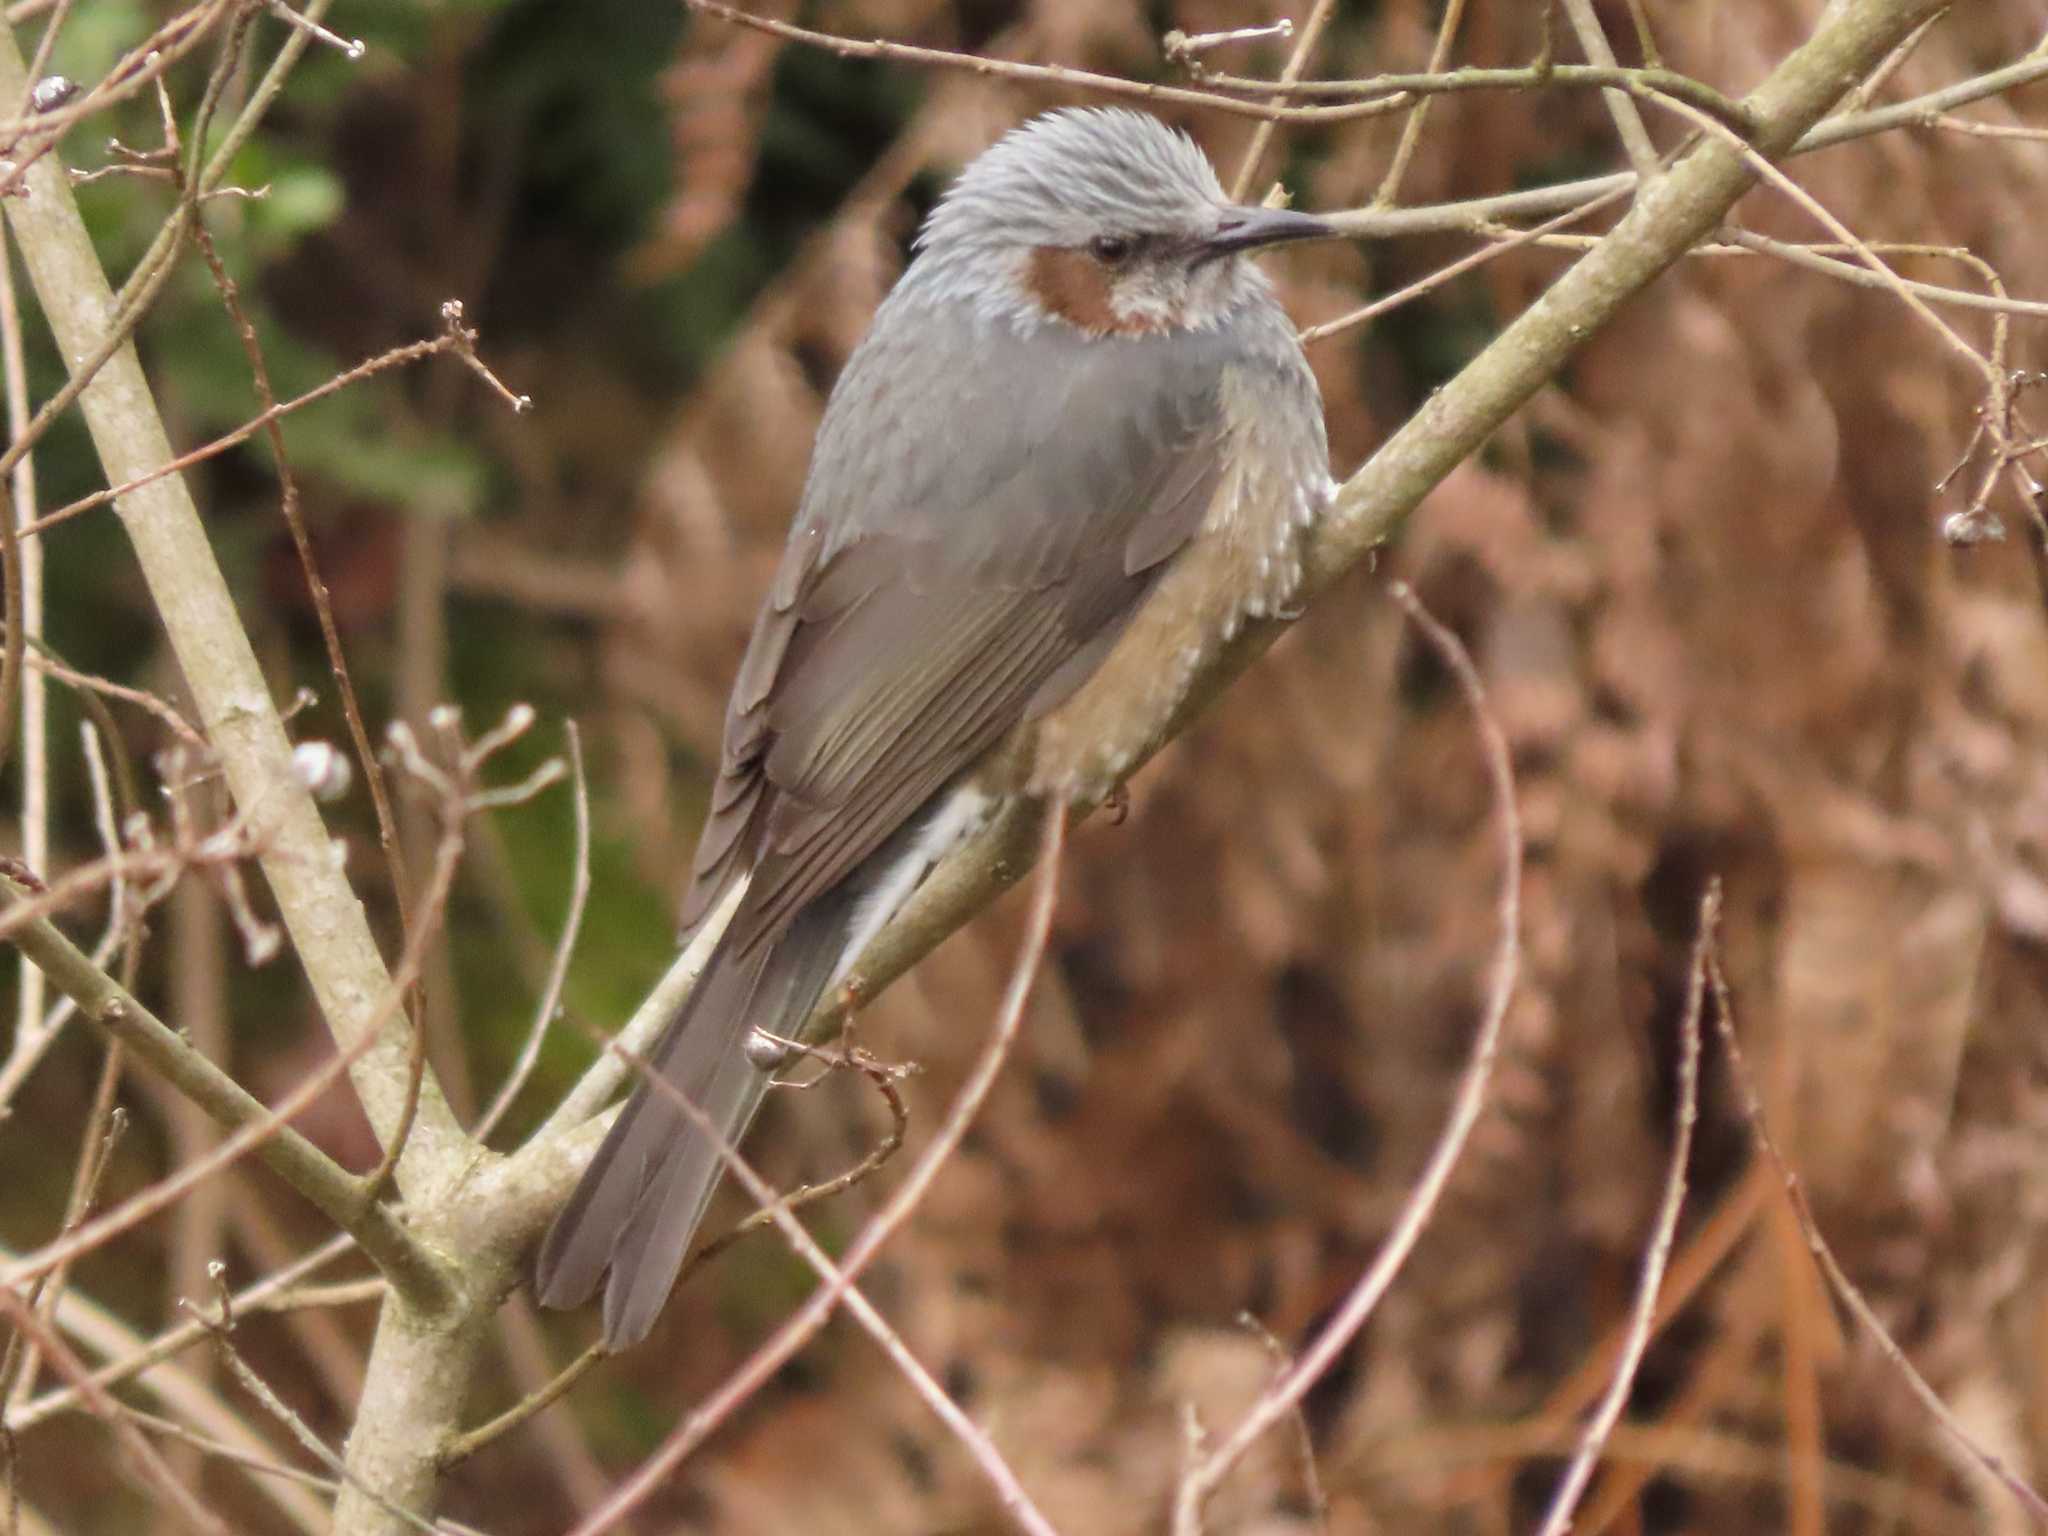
(1112, 250)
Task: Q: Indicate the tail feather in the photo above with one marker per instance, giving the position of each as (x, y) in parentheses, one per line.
(639, 1204)
(647, 1189)
(650, 1250)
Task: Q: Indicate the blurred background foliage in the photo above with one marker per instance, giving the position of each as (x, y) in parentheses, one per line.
(1700, 573)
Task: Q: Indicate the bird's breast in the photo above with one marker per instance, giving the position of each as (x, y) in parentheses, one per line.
(1243, 562)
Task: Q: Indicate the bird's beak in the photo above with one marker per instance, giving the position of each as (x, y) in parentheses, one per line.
(1246, 229)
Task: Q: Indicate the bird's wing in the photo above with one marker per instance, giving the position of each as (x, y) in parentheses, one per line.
(967, 537)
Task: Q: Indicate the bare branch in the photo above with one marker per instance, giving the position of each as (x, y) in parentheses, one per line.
(1050, 74)
(1846, 1289)
(33, 132)
(1635, 138)
(801, 1325)
(278, 1291)
(1767, 172)
(458, 794)
(1453, 270)
(1282, 1397)
(396, 357)
(105, 1126)
(1657, 1256)
(330, 933)
(221, 1327)
(291, 1156)
(150, 1468)
(302, 543)
(558, 965)
(348, 47)
(1418, 114)
(1262, 136)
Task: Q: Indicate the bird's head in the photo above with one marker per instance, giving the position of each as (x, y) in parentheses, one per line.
(1102, 219)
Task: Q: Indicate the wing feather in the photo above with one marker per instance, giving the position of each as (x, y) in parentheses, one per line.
(939, 586)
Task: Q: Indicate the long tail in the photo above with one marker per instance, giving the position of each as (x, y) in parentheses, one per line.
(647, 1189)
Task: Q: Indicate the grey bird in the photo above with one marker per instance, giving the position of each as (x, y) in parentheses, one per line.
(1077, 448)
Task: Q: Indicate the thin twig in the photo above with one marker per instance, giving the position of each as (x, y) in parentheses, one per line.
(1541, 75)
(433, 904)
(775, 1210)
(1976, 130)
(1280, 1399)
(1317, 1499)
(1718, 1236)
(1628, 122)
(465, 1445)
(1642, 1320)
(260, 99)
(1838, 1279)
(1047, 74)
(268, 1467)
(1179, 47)
(1646, 41)
(150, 1467)
(565, 946)
(276, 1292)
(348, 47)
(1380, 224)
(104, 1128)
(221, 1327)
(1765, 171)
(1411, 126)
(1920, 110)
(106, 1123)
(10, 1462)
(1464, 264)
(42, 659)
(106, 821)
(1860, 98)
(148, 863)
(21, 587)
(458, 794)
(397, 356)
(302, 543)
(134, 72)
(103, 1001)
(799, 1328)
(268, 1128)
(154, 267)
(1297, 61)
(1822, 256)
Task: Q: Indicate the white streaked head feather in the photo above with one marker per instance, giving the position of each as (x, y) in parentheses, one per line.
(1059, 181)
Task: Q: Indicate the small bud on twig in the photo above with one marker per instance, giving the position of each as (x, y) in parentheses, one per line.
(1964, 529)
(51, 92)
(765, 1052)
(324, 769)
(1180, 48)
